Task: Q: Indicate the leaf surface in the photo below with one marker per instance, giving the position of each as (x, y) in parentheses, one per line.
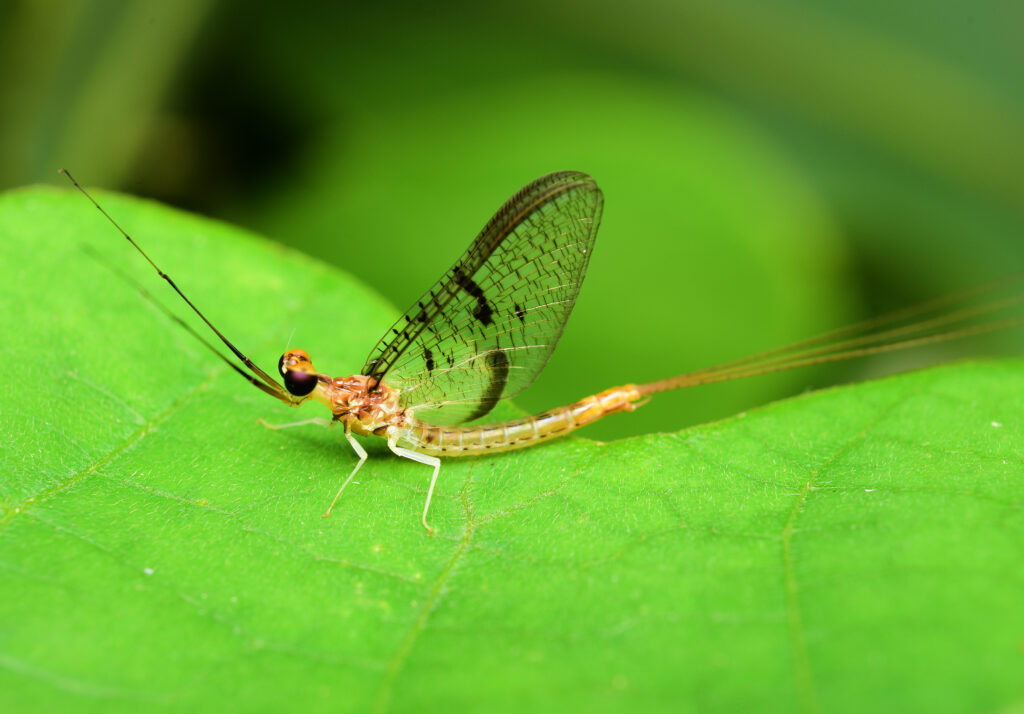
(855, 549)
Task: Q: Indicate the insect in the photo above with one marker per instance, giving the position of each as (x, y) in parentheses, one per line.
(484, 331)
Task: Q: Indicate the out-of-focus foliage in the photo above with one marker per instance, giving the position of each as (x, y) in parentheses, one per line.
(771, 168)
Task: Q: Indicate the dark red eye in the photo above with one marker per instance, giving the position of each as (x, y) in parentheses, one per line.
(300, 383)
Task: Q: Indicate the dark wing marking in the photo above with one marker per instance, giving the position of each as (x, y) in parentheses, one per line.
(484, 331)
(497, 368)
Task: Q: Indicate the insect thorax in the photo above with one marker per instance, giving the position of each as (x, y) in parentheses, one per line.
(366, 407)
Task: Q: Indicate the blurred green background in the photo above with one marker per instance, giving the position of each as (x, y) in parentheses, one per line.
(771, 169)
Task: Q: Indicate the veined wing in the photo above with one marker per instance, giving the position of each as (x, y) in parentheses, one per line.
(484, 331)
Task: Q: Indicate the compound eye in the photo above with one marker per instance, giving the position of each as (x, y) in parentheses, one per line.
(300, 383)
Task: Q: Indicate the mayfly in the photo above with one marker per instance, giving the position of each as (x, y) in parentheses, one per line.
(485, 330)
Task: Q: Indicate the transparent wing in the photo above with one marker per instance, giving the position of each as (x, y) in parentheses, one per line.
(484, 331)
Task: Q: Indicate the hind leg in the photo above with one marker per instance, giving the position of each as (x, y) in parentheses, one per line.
(423, 459)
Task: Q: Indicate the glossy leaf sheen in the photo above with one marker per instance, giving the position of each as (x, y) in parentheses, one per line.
(856, 549)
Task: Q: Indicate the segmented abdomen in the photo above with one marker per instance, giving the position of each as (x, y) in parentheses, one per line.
(517, 433)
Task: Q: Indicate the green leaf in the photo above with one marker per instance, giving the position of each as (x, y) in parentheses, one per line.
(856, 549)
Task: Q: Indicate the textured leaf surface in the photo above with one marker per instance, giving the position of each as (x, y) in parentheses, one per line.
(857, 549)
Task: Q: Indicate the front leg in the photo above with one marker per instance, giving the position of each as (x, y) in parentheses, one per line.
(319, 421)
